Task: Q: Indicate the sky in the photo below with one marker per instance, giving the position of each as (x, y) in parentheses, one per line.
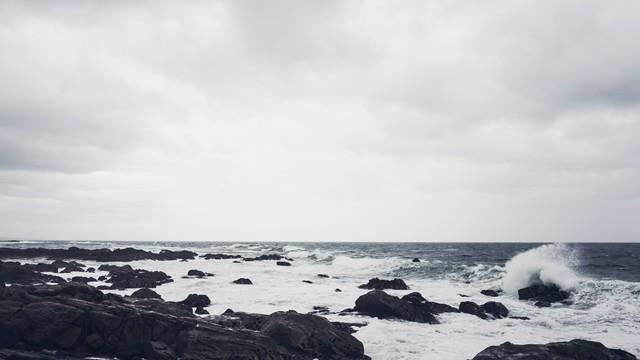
(320, 120)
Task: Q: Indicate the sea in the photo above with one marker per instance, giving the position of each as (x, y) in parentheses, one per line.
(604, 279)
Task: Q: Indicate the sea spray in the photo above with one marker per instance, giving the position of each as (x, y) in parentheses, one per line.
(546, 264)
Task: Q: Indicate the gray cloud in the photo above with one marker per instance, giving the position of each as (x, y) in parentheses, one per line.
(330, 120)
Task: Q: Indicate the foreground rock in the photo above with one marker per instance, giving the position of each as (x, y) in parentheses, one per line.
(379, 284)
(379, 304)
(126, 277)
(547, 293)
(15, 273)
(569, 350)
(75, 320)
(101, 255)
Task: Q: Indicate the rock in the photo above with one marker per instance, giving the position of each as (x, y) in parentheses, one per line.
(91, 270)
(320, 310)
(220, 256)
(416, 260)
(40, 267)
(16, 273)
(469, 307)
(463, 295)
(520, 317)
(265, 257)
(307, 281)
(414, 297)
(101, 255)
(379, 304)
(283, 263)
(198, 273)
(145, 293)
(125, 277)
(102, 278)
(201, 311)
(489, 292)
(83, 279)
(379, 284)
(72, 268)
(243, 281)
(337, 290)
(569, 350)
(495, 309)
(38, 318)
(542, 303)
(550, 293)
(196, 300)
(323, 276)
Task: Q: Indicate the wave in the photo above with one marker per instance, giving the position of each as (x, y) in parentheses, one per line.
(546, 264)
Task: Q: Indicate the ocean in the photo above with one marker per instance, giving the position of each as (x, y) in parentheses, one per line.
(604, 278)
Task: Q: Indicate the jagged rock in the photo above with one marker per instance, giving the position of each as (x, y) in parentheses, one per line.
(125, 277)
(490, 292)
(101, 255)
(220, 256)
(495, 309)
(15, 273)
(379, 304)
(569, 350)
(469, 307)
(196, 300)
(243, 281)
(432, 307)
(539, 292)
(145, 293)
(91, 270)
(379, 284)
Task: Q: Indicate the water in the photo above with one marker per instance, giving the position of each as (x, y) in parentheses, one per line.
(605, 280)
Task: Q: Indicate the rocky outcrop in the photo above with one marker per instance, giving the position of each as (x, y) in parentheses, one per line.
(379, 304)
(220, 256)
(469, 307)
(379, 284)
(81, 321)
(196, 300)
(568, 350)
(83, 279)
(539, 292)
(487, 311)
(15, 273)
(126, 277)
(101, 255)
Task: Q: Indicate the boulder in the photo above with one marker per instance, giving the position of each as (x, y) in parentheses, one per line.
(432, 307)
(337, 290)
(469, 307)
(198, 273)
(568, 350)
(539, 292)
(379, 284)
(307, 281)
(196, 300)
(145, 293)
(125, 277)
(323, 276)
(490, 292)
(379, 304)
(243, 281)
(496, 309)
(542, 304)
(283, 263)
(415, 260)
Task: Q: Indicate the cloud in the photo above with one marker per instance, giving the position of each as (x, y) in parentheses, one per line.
(335, 120)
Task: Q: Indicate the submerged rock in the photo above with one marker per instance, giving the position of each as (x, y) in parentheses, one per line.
(539, 292)
(568, 350)
(380, 284)
(323, 276)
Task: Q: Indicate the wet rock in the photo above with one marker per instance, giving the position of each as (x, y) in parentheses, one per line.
(463, 295)
(379, 304)
(495, 309)
(490, 292)
(196, 273)
(283, 263)
(337, 290)
(201, 311)
(220, 256)
(520, 317)
(539, 292)
(16, 273)
(125, 277)
(265, 257)
(243, 281)
(431, 307)
(196, 300)
(307, 281)
(569, 350)
(145, 293)
(40, 267)
(379, 284)
(91, 270)
(415, 260)
(469, 307)
(542, 304)
(101, 255)
(323, 276)
(83, 279)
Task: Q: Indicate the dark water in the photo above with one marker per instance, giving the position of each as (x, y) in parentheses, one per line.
(620, 261)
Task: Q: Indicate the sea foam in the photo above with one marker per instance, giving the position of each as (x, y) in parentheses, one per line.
(546, 264)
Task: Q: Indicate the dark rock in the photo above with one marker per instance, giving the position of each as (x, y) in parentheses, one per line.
(72, 268)
(164, 307)
(201, 311)
(432, 307)
(463, 295)
(323, 276)
(83, 279)
(40, 267)
(265, 257)
(550, 293)
(15, 273)
(102, 278)
(145, 293)
(469, 307)
(495, 309)
(379, 284)
(320, 310)
(243, 281)
(337, 290)
(542, 303)
(347, 327)
(415, 260)
(220, 256)
(196, 300)
(283, 263)
(307, 281)
(489, 292)
(125, 277)
(520, 317)
(91, 270)
(379, 304)
(198, 273)
(101, 255)
(569, 350)
(414, 297)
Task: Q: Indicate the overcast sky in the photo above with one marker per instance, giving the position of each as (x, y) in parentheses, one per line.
(320, 121)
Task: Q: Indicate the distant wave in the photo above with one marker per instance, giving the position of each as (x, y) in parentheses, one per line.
(546, 264)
